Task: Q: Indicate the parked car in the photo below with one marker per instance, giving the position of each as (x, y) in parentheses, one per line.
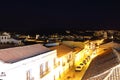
(81, 64)
(79, 67)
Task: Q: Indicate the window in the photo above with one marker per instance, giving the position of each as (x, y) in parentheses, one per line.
(69, 57)
(41, 70)
(54, 63)
(54, 77)
(46, 66)
(68, 60)
(58, 62)
(59, 75)
(63, 63)
(28, 75)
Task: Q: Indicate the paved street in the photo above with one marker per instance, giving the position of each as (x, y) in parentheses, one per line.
(97, 59)
(72, 75)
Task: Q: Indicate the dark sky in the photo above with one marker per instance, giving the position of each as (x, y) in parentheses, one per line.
(43, 16)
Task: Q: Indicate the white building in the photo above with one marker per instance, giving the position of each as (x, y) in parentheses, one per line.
(33, 62)
(6, 38)
(36, 62)
(65, 58)
(105, 36)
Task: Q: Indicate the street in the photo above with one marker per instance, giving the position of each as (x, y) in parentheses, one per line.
(72, 75)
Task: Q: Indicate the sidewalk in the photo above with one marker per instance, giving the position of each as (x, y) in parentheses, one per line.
(70, 75)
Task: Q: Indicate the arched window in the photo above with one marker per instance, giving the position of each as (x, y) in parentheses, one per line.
(46, 66)
(41, 70)
(28, 75)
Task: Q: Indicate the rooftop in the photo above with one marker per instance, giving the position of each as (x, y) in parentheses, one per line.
(15, 54)
(101, 63)
(62, 50)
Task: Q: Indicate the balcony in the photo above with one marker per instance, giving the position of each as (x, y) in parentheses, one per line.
(42, 74)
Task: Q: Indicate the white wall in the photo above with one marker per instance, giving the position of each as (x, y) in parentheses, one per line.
(18, 70)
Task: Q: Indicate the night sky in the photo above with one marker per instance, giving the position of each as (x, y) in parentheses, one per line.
(43, 16)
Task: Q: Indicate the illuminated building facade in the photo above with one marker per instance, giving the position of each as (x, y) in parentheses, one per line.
(36, 62)
(33, 62)
(6, 38)
(65, 58)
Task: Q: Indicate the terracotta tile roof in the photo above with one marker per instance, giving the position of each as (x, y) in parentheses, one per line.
(15, 54)
(62, 50)
(77, 49)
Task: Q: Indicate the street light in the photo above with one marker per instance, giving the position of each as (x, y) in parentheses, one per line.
(112, 38)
